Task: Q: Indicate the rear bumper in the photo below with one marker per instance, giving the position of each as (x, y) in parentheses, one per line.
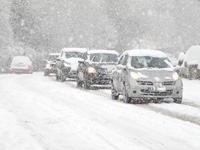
(21, 71)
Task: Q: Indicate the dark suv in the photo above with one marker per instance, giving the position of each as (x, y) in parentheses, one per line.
(96, 67)
(50, 64)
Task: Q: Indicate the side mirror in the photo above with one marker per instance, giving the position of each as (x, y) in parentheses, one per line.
(177, 69)
(80, 62)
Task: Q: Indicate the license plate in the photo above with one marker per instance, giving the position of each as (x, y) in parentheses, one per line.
(150, 89)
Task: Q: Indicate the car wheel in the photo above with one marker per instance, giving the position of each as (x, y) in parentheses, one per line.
(178, 100)
(114, 93)
(79, 83)
(87, 85)
(62, 77)
(57, 77)
(46, 73)
(127, 99)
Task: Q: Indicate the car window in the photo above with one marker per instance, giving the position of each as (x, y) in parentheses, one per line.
(85, 56)
(149, 62)
(103, 57)
(120, 60)
(73, 55)
(125, 60)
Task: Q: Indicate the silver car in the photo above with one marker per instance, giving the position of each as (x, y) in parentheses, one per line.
(145, 75)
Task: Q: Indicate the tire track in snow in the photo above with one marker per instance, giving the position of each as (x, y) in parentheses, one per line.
(26, 125)
(184, 117)
(191, 104)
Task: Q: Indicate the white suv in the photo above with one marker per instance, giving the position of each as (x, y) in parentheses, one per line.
(67, 62)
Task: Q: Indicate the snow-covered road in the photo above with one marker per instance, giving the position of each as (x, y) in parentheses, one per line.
(39, 113)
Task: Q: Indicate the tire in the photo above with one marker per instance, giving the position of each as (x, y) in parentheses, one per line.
(178, 100)
(87, 85)
(62, 77)
(57, 77)
(127, 99)
(46, 73)
(114, 94)
(79, 83)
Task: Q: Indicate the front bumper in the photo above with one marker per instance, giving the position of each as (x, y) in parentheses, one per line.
(152, 91)
(50, 70)
(98, 79)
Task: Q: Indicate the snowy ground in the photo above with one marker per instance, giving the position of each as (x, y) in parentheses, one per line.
(39, 113)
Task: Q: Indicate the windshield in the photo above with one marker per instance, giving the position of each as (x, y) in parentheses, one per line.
(52, 57)
(74, 55)
(149, 62)
(97, 57)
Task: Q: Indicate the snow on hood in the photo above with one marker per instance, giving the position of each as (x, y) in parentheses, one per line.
(73, 62)
(108, 67)
(21, 62)
(155, 75)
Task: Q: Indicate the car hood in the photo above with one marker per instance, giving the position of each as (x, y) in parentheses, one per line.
(107, 67)
(51, 62)
(155, 75)
(73, 62)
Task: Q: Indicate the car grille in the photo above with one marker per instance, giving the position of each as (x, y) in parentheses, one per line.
(168, 83)
(152, 83)
(145, 82)
(156, 93)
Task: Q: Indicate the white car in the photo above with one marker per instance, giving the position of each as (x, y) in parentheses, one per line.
(191, 64)
(67, 62)
(145, 75)
(21, 64)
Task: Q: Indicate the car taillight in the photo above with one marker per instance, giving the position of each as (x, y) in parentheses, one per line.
(185, 64)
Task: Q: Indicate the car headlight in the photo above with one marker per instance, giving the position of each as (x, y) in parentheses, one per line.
(66, 64)
(48, 65)
(91, 70)
(175, 76)
(134, 75)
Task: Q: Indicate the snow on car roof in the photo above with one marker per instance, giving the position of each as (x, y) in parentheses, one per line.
(192, 56)
(145, 52)
(74, 50)
(18, 59)
(103, 51)
(54, 53)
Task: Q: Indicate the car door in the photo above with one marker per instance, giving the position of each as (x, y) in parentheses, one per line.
(118, 73)
(58, 63)
(122, 70)
(82, 68)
